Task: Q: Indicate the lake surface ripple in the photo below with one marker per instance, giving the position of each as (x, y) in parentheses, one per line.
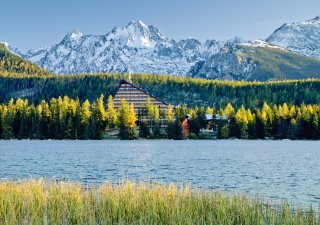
(275, 170)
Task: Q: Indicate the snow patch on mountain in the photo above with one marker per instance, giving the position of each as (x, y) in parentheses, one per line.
(6, 44)
(300, 37)
(261, 43)
(12, 50)
(228, 64)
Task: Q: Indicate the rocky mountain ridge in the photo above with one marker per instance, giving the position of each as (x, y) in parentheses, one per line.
(141, 48)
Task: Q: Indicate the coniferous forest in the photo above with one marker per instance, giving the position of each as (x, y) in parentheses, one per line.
(66, 118)
(173, 90)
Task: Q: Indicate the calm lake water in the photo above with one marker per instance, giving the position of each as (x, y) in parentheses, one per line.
(275, 170)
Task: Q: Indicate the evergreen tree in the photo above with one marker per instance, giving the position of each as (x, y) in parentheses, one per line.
(85, 115)
(242, 122)
(132, 119)
(100, 116)
(112, 114)
(144, 130)
(126, 120)
(171, 132)
(156, 125)
(225, 131)
(7, 118)
(177, 129)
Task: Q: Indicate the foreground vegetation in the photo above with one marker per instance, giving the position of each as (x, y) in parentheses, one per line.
(40, 202)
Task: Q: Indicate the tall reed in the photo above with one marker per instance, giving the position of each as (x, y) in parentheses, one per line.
(50, 202)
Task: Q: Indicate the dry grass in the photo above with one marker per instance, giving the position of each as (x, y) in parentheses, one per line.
(49, 202)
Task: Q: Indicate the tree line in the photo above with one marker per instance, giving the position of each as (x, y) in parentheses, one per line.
(173, 90)
(66, 118)
(277, 122)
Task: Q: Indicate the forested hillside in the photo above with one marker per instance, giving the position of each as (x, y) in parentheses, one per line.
(11, 63)
(173, 90)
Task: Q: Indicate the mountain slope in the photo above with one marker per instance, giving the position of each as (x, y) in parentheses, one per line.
(257, 62)
(300, 37)
(278, 64)
(12, 63)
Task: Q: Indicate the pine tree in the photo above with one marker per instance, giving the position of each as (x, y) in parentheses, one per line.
(225, 131)
(122, 120)
(100, 116)
(7, 118)
(169, 114)
(156, 124)
(132, 119)
(85, 115)
(177, 129)
(242, 122)
(144, 130)
(112, 114)
(293, 129)
(170, 123)
(126, 120)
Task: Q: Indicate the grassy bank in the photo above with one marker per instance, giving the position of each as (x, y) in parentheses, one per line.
(40, 202)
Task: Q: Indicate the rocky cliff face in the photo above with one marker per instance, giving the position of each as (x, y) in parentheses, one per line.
(136, 47)
(228, 64)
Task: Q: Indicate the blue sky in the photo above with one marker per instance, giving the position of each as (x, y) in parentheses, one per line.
(36, 23)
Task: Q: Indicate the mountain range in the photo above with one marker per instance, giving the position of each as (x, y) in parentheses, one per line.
(291, 52)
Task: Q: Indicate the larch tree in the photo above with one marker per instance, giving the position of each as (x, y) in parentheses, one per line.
(112, 113)
(122, 120)
(132, 119)
(85, 115)
(100, 116)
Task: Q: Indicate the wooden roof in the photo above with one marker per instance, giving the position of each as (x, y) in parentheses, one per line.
(135, 95)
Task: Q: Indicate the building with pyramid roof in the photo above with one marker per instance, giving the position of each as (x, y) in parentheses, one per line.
(136, 96)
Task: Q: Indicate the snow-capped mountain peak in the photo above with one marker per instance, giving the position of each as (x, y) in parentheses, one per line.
(74, 34)
(137, 47)
(142, 48)
(73, 37)
(301, 37)
(136, 35)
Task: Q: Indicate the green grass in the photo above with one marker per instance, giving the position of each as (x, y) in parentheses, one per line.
(49, 202)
